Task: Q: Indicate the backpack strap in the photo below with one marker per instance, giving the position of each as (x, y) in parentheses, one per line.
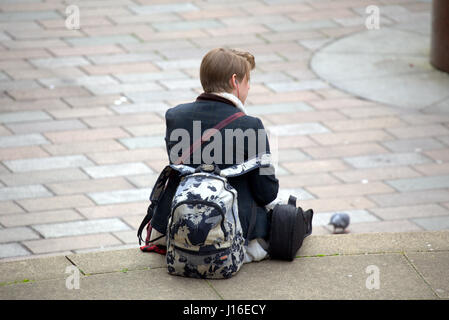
(261, 161)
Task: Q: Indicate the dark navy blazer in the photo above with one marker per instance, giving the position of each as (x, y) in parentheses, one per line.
(252, 188)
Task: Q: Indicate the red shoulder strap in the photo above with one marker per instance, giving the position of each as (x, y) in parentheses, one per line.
(206, 136)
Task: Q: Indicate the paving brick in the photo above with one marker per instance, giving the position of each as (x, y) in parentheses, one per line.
(297, 129)
(340, 103)
(141, 108)
(406, 212)
(133, 19)
(123, 88)
(413, 145)
(384, 226)
(46, 126)
(24, 54)
(101, 40)
(338, 204)
(27, 73)
(84, 186)
(24, 16)
(297, 86)
(22, 140)
(42, 177)
(293, 142)
(282, 97)
(8, 250)
(85, 50)
(55, 203)
(144, 180)
(43, 93)
(342, 151)
(71, 243)
(306, 180)
(386, 160)
(84, 147)
(152, 76)
(9, 207)
(72, 136)
(433, 168)
(128, 156)
(76, 228)
(10, 117)
(123, 58)
(120, 196)
(419, 131)
(367, 112)
(78, 81)
(80, 112)
(17, 234)
(87, 22)
(305, 167)
(138, 67)
(49, 163)
(114, 170)
(356, 216)
(343, 138)
(117, 30)
(181, 84)
(291, 155)
(16, 220)
(356, 189)
(163, 8)
(363, 124)
(420, 183)
(433, 223)
(18, 85)
(440, 155)
(22, 152)
(122, 120)
(116, 210)
(410, 198)
(179, 95)
(23, 192)
(187, 25)
(33, 44)
(59, 62)
(375, 174)
(144, 142)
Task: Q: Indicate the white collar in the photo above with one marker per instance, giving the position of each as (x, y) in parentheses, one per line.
(236, 101)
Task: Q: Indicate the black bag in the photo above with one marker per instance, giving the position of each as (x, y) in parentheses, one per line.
(288, 230)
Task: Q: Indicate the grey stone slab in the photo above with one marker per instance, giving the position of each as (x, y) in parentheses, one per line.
(421, 183)
(23, 116)
(59, 62)
(46, 126)
(363, 243)
(440, 107)
(410, 198)
(28, 15)
(141, 107)
(115, 170)
(163, 8)
(22, 140)
(261, 77)
(406, 212)
(143, 142)
(413, 145)
(17, 234)
(117, 260)
(102, 40)
(154, 76)
(42, 177)
(123, 58)
(291, 155)
(120, 196)
(297, 129)
(76, 228)
(8, 250)
(299, 193)
(261, 109)
(36, 164)
(124, 88)
(386, 160)
(303, 25)
(179, 64)
(34, 269)
(297, 86)
(187, 25)
(24, 192)
(173, 95)
(433, 223)
(77, 81)
(333, 277)
(356, 216)
(438, 278)
(133, 285)
(18, 85)
(181, 84)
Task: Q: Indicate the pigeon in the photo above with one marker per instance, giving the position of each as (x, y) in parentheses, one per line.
(340, 221)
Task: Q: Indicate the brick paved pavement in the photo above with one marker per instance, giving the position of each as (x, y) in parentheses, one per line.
(82, 126)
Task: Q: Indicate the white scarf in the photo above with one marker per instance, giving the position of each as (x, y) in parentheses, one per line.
(236, 101)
